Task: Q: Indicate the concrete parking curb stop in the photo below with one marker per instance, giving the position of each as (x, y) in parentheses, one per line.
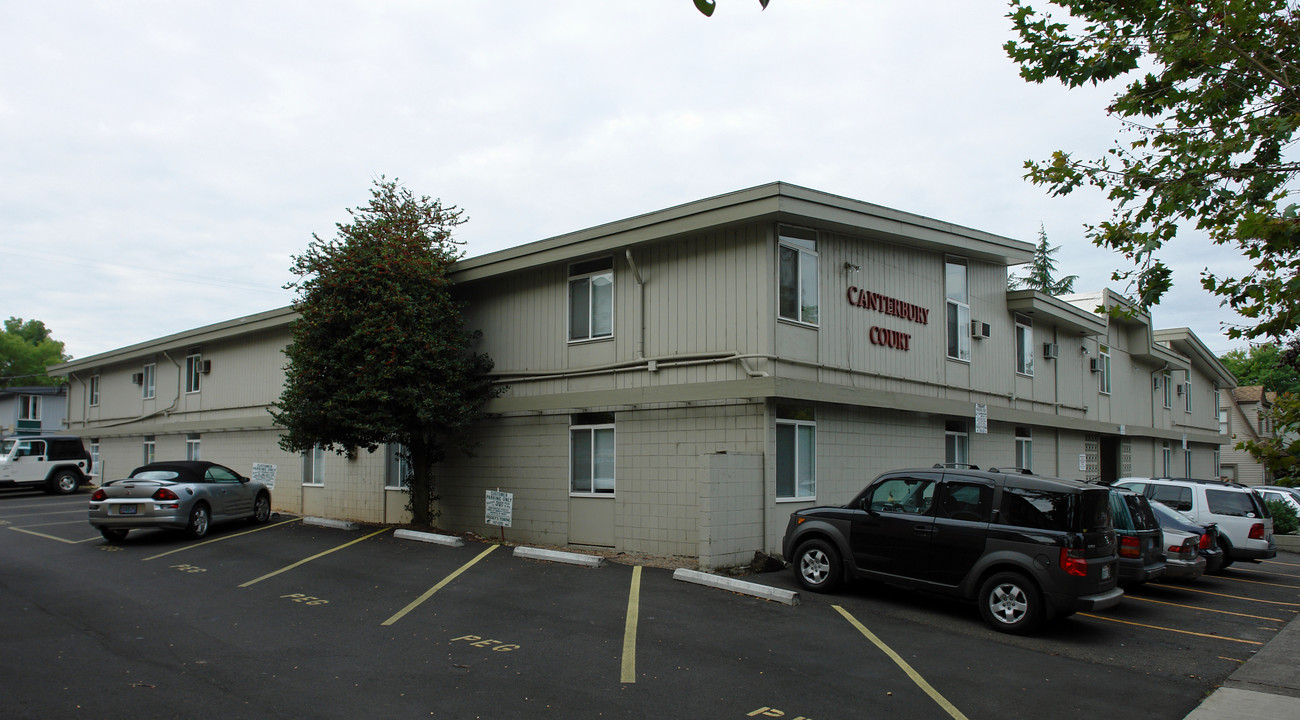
(1265, 687)
(787, 597)
(561, 557)
(330, 523)
(448, 540)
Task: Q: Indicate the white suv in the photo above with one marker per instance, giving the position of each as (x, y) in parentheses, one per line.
(1245, 526)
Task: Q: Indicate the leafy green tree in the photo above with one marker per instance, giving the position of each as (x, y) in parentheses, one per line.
(380, 354)
(1211, 109)
(1262, 365)
(1279, 451)
(1042, 270)
(26, 349)
(1285, 521)
(708, 6)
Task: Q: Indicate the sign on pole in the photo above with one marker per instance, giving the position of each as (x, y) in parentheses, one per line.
(500, 508)
(265, 474)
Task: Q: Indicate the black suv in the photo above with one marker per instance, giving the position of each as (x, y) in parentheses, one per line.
(1026, 548)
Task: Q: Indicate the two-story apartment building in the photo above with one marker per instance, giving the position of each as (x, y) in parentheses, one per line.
(679, 382)
(33, 410)
(1244, 417)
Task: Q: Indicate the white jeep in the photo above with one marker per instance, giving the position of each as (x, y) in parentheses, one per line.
(54, 463)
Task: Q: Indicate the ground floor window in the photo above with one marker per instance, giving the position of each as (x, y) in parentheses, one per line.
(956, 443)
(1187, 461)
(398, 475)
(796, 460)
(591, 454)
(313, 466)
(149, 450)
(192, 447)
(1024, 449)
(1166, 459)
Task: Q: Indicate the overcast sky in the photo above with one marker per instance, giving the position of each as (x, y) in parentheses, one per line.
(161, 161)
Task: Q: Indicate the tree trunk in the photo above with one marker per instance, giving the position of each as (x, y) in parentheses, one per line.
(421, 488)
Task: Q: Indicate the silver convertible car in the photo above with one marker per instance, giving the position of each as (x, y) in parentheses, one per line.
(185, 495)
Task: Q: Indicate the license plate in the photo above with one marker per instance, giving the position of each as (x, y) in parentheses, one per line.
(1105, 572)
(126, 509)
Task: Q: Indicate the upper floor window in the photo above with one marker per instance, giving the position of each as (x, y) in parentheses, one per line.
(29, 407)
(797, 275)
(591, 299)
(1103, 369)
(149, 384)
(92, 392)
(957, 289)
(1187, 393)
(193, 372)
(1169, 390)
(1024, 346)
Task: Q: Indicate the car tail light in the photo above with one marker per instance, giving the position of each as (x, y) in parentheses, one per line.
(1130, 547)
(99, 496)
(1074, 563)
(1187, 549)
(1257, 531)
(1205, 542)
(165, 494)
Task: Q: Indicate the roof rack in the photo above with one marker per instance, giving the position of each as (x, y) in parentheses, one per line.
(957, 466)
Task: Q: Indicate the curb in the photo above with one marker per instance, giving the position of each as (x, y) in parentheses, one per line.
(786, 597)
(560, 557)
(330, 523)
(448, 540)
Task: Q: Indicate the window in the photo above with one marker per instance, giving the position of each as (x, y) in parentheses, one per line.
(1176, 497)
(797, 291)
(966, 501)
(1166, 459)
(1024, 346)
(958, 305)
(1187, 393)
(29, 407)
(910, 496)
(1218, 469)
(1187, 462)
(1169, 390)
(149, 384)
(956, 443)
(1103, 369)
(796, 455)
(94, 454)
(591, 299)
(398, 474)
(92, 392)
(192, 447)
(193, 372)
(591, 454)
(1234, 503)
(1024, 449)
(221, 475)
(313, 466)
(148, 450)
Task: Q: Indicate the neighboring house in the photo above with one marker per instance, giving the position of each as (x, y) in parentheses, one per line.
(679, 382)
(32, 410)
(1242, 418)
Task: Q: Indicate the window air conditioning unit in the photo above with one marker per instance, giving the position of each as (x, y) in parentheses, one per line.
(980, 330)
(1094, 364)
(1179, 387)
(1051, 351)
(1155, 383)
(137, 378)
(205, 367)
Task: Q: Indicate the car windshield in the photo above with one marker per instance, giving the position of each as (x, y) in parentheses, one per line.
(8, 447)
(157, 475)
(1140, 509)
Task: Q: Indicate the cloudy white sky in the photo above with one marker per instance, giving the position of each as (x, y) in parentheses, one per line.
(161, 161)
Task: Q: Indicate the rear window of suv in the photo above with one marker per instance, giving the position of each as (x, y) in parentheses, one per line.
(1049, 510)
(1226, 502)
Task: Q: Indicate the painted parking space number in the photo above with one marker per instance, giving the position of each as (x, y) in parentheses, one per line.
(772, 712)
(187, 568)
(478, 641)
(305, 599)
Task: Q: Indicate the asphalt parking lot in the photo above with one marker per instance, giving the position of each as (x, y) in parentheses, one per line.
(290, 620)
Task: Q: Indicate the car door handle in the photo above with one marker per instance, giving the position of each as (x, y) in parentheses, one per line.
(925, 529)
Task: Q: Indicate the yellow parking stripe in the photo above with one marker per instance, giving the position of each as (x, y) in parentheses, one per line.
(429, 593)
(1258, 582)
(629, 628)
(1172, 630)
(1211, 610)
(41, 514)
(1263, 572)
(916, 677)
(1239, 597)
(223, 537)
(304, 561)
(52, 537)
(1276, 562)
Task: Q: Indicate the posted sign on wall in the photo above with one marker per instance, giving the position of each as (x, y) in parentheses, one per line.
(265, 474)
(500, 508)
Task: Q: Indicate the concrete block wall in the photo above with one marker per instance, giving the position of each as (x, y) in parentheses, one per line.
(730, 509)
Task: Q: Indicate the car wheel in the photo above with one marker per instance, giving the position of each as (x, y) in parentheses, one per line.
(262, 508)
(64, 482)
(1226, 547)
(817, 566)
(113, 535)
(1010, 603)
(200, 518)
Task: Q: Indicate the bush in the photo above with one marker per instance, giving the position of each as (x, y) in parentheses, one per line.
(1285, 521)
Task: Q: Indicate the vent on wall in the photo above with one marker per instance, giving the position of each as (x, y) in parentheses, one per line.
(1051, 351)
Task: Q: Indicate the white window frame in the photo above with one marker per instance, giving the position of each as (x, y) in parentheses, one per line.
(193, 373)
(1024, 448)
(590, 281)
(1024, 346)
(1166, 459)
(956, 443)
(1187, 390)
(803, 484)
(798, 272)
(193, 447)
(596, 486)
(149, 383)
(957, 309)
(1187, 462)
(148, 450)
(94, 458)
(1103, 360)
(1169, 391)
(29, 408)
(313, 467)
(92, 391)
(399, 468)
